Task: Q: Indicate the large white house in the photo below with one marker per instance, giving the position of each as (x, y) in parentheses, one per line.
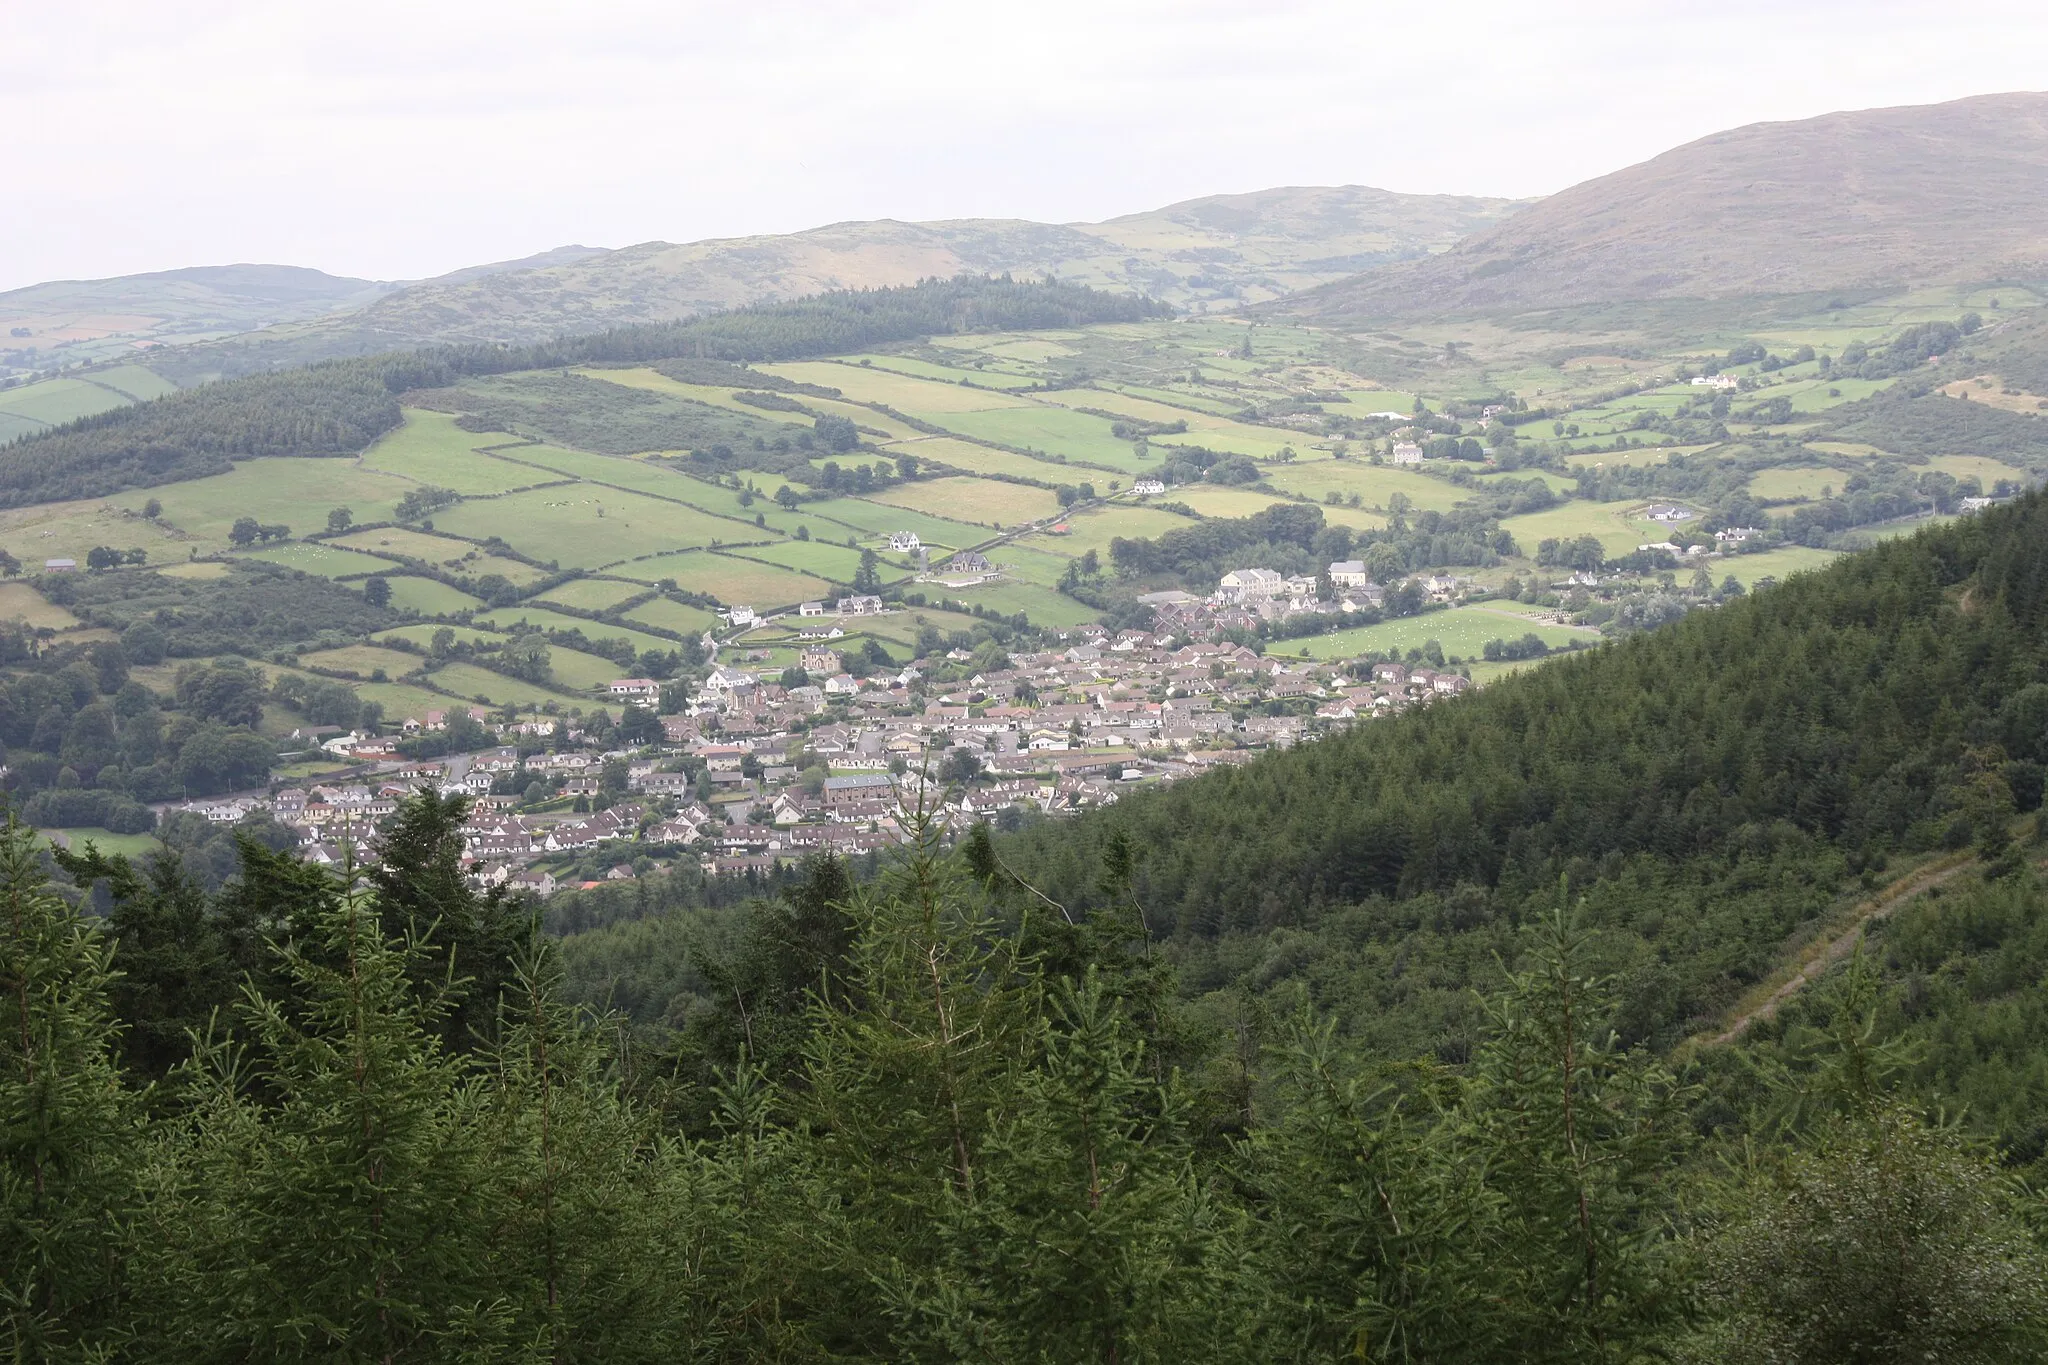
(904, 542)
(1250, 585)
(1348, 573)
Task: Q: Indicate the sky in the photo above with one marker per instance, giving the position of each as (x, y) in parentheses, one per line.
(397, 140)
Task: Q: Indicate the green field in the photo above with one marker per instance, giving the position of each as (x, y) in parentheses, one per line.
(1778, 564)
(1462, 631)
(399, 541)
(592, 594)
(733, 581)
(1056, 431)
(363, 660)
(585, 672)
(128, 845)
(287, 492)
(1982, 468)
(69, 530)
(1095, 527)
(423, 634)
(1043, 605)
(1374, 484)
(584, 528)
(1030, 563)
(986, 502)
(328, 561)
(1795, 485)
(1617, 534)
(664, 614)
(902, 392)
(541, 618)
(814, 557)
(867, 521)
(470, 682)
(977, 459)
(1217, 500)
(401, 700)
(431, 449)
(429, 597)
(20, 602)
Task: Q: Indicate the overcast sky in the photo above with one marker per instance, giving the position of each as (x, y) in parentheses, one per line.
(398, 140)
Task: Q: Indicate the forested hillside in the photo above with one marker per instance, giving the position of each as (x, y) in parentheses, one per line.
(338, 407)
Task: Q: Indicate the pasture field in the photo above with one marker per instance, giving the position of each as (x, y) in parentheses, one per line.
(742, 582)
(947, 374)
(987, 502)
(133, 381)
(901, 627)
(76, 837)
(20, 602)
(904, 392)
(1204, 428)
(282, 491)
(1095, 527)
(574, 668)
(328, 561)
(1982, 468)
(364, 660)
(653, 381)
(1556, 483)
(1045, 606)
(1794, 485)
(473, 683)
(815, 557)
(1607, 521)
(1378, 400)
(511, 570)
(423, 634)
(870, 422)
(53, 402)
(1633, 459)
(616, 471)
(665, 614)
(197, 570)
(400, 700)
(593, 594)
(867, 520)
(1056, 431)
(542, 619)
(1218, 500)
(1374, 484)
(1032, 564)
(429, 448)
(1462, 631)
(1213, 404)
(1779, 564)
(951, 450)
(397, 540)
(69, 530)
(583, 528)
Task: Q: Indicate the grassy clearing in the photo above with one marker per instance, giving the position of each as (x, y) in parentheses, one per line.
(964, 376)
(77, 836)
(1094, 528)
(1605, 520)
(1795, 485)
(472, 683)
(664, 614)
(134, 381)
(53, 402)
(327, 561)
(587, 527)
(399, 541)
(866, 520)
(1215, 500)
(423, 634)
(542, 619)
(740, 581)
(1043, 605)
(1462, 631)
(574, 668)
(363, 660)
(20, 602)
(1056, 431)
(1041, 562)
(653, 381)
(1982, 468)
(904, 392)
(289, 492)
(986, 502)
(69, 530)
(1778, 564)
(1179, 399)
(401, 700)
(430, 448)
(197, 570)
(959, 454)
(1633, 459)
(511, 570)
(814, 557)
(593, 594)
(1374, 484)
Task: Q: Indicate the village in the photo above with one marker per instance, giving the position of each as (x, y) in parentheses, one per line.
(754, 769)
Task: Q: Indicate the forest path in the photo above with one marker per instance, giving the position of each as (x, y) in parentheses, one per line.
(1822, 955)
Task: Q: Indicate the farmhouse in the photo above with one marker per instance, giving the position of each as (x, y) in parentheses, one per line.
(739, 616)
(968, 561)
(1407, 452)
(59, 565)
(904, 542)
(1148, 488)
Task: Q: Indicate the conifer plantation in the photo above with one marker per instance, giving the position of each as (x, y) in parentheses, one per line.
(960, 1111)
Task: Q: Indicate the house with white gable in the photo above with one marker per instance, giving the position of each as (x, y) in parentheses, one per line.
(904, 542)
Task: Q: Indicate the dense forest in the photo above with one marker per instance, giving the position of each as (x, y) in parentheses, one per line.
(338, 407)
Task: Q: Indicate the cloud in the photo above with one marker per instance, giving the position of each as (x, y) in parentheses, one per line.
(398, 140)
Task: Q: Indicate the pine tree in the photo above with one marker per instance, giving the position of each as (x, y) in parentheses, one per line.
(70, 1142)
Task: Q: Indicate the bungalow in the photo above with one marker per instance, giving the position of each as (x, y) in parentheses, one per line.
(59, 565)
(811, 609)
(635, 687)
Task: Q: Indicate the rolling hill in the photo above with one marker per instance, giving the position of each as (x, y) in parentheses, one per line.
(1212, 252)
(1870, 201)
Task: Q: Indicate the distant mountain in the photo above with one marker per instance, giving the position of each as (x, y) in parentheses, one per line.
(65, 321)
(1875, 200)
(1211, 252)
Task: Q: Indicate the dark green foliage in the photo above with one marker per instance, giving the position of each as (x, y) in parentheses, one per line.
(256, 607)
(1911, 420)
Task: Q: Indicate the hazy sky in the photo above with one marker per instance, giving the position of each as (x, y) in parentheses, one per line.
(398, 140)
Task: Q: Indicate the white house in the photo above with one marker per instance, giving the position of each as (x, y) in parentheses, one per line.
(635, 687)
(811, 609)
(904, 542)
(1348, 573)
(860, 606)
(1407, 452)
(739, 616)
(1148, 488)
(1250, 585)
